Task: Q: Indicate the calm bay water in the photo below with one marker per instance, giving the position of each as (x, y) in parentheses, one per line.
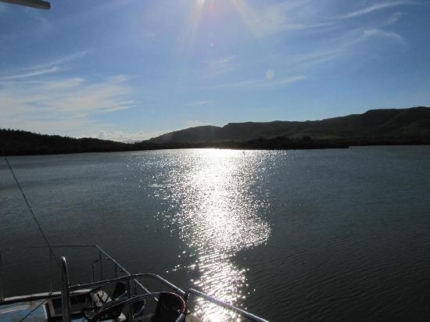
(324, 235)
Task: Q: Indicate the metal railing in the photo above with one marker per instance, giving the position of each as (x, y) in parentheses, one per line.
(132, 284)
(102, 256)
(184, 294)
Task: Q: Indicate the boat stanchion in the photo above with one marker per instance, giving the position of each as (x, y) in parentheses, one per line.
(1, 278)
(65, 296)
(51, 284)
(129, 307)
(101, 265)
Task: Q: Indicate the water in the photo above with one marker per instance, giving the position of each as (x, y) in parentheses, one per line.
(325, 235)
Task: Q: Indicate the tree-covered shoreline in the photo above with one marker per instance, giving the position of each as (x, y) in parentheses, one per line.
(409, 126)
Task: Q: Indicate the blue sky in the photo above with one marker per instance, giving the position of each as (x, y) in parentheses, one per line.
(134, 69)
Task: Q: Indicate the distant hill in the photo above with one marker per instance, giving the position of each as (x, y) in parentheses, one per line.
(16, 142)
(390, 126)
(375, 127)
(206, 133)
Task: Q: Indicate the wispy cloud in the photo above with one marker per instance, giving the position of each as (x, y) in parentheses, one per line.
(267, 83)
(195, 123)
(341, 35)
(123, 136)
(63, 84)
(280, 17)
(31, 74)
(391, 20)
(118, 79)
(346, 46)
(260, 83)
(44, 99)
(376, 7)
(299, 26)
(318, 57)
(220, 66)
(67, 96)
(60, 104)
(382, 34)
(51, 67)
(62, 60)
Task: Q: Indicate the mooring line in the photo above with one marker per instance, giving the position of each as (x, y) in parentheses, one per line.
(32, 212)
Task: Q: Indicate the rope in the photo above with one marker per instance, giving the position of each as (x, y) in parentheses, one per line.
(31, 211)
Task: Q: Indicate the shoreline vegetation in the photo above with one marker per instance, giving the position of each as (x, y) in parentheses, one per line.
(375, 127)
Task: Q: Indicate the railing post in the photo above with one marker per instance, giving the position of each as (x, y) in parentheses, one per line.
(129, 310)
(101, 265)
(1, 278)
(93, 277)
(65, 296)
(50, 271)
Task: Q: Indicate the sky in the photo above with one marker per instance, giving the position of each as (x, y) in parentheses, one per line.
(134, 69)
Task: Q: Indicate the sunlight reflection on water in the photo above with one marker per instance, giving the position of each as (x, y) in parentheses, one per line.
(218, 216)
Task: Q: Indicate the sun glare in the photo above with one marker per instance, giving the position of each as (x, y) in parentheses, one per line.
(218, 217)
(193, 21)
(200, 3)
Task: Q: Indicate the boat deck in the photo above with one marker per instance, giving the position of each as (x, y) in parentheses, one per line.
(119, 296)
(34, 311)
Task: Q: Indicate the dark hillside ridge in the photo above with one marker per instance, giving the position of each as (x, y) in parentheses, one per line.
(385, 125)
(195, 134)
(375, 127)
(16, 142)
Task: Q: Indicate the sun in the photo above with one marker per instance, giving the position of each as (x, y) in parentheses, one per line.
(192, 23)
(200, 3)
